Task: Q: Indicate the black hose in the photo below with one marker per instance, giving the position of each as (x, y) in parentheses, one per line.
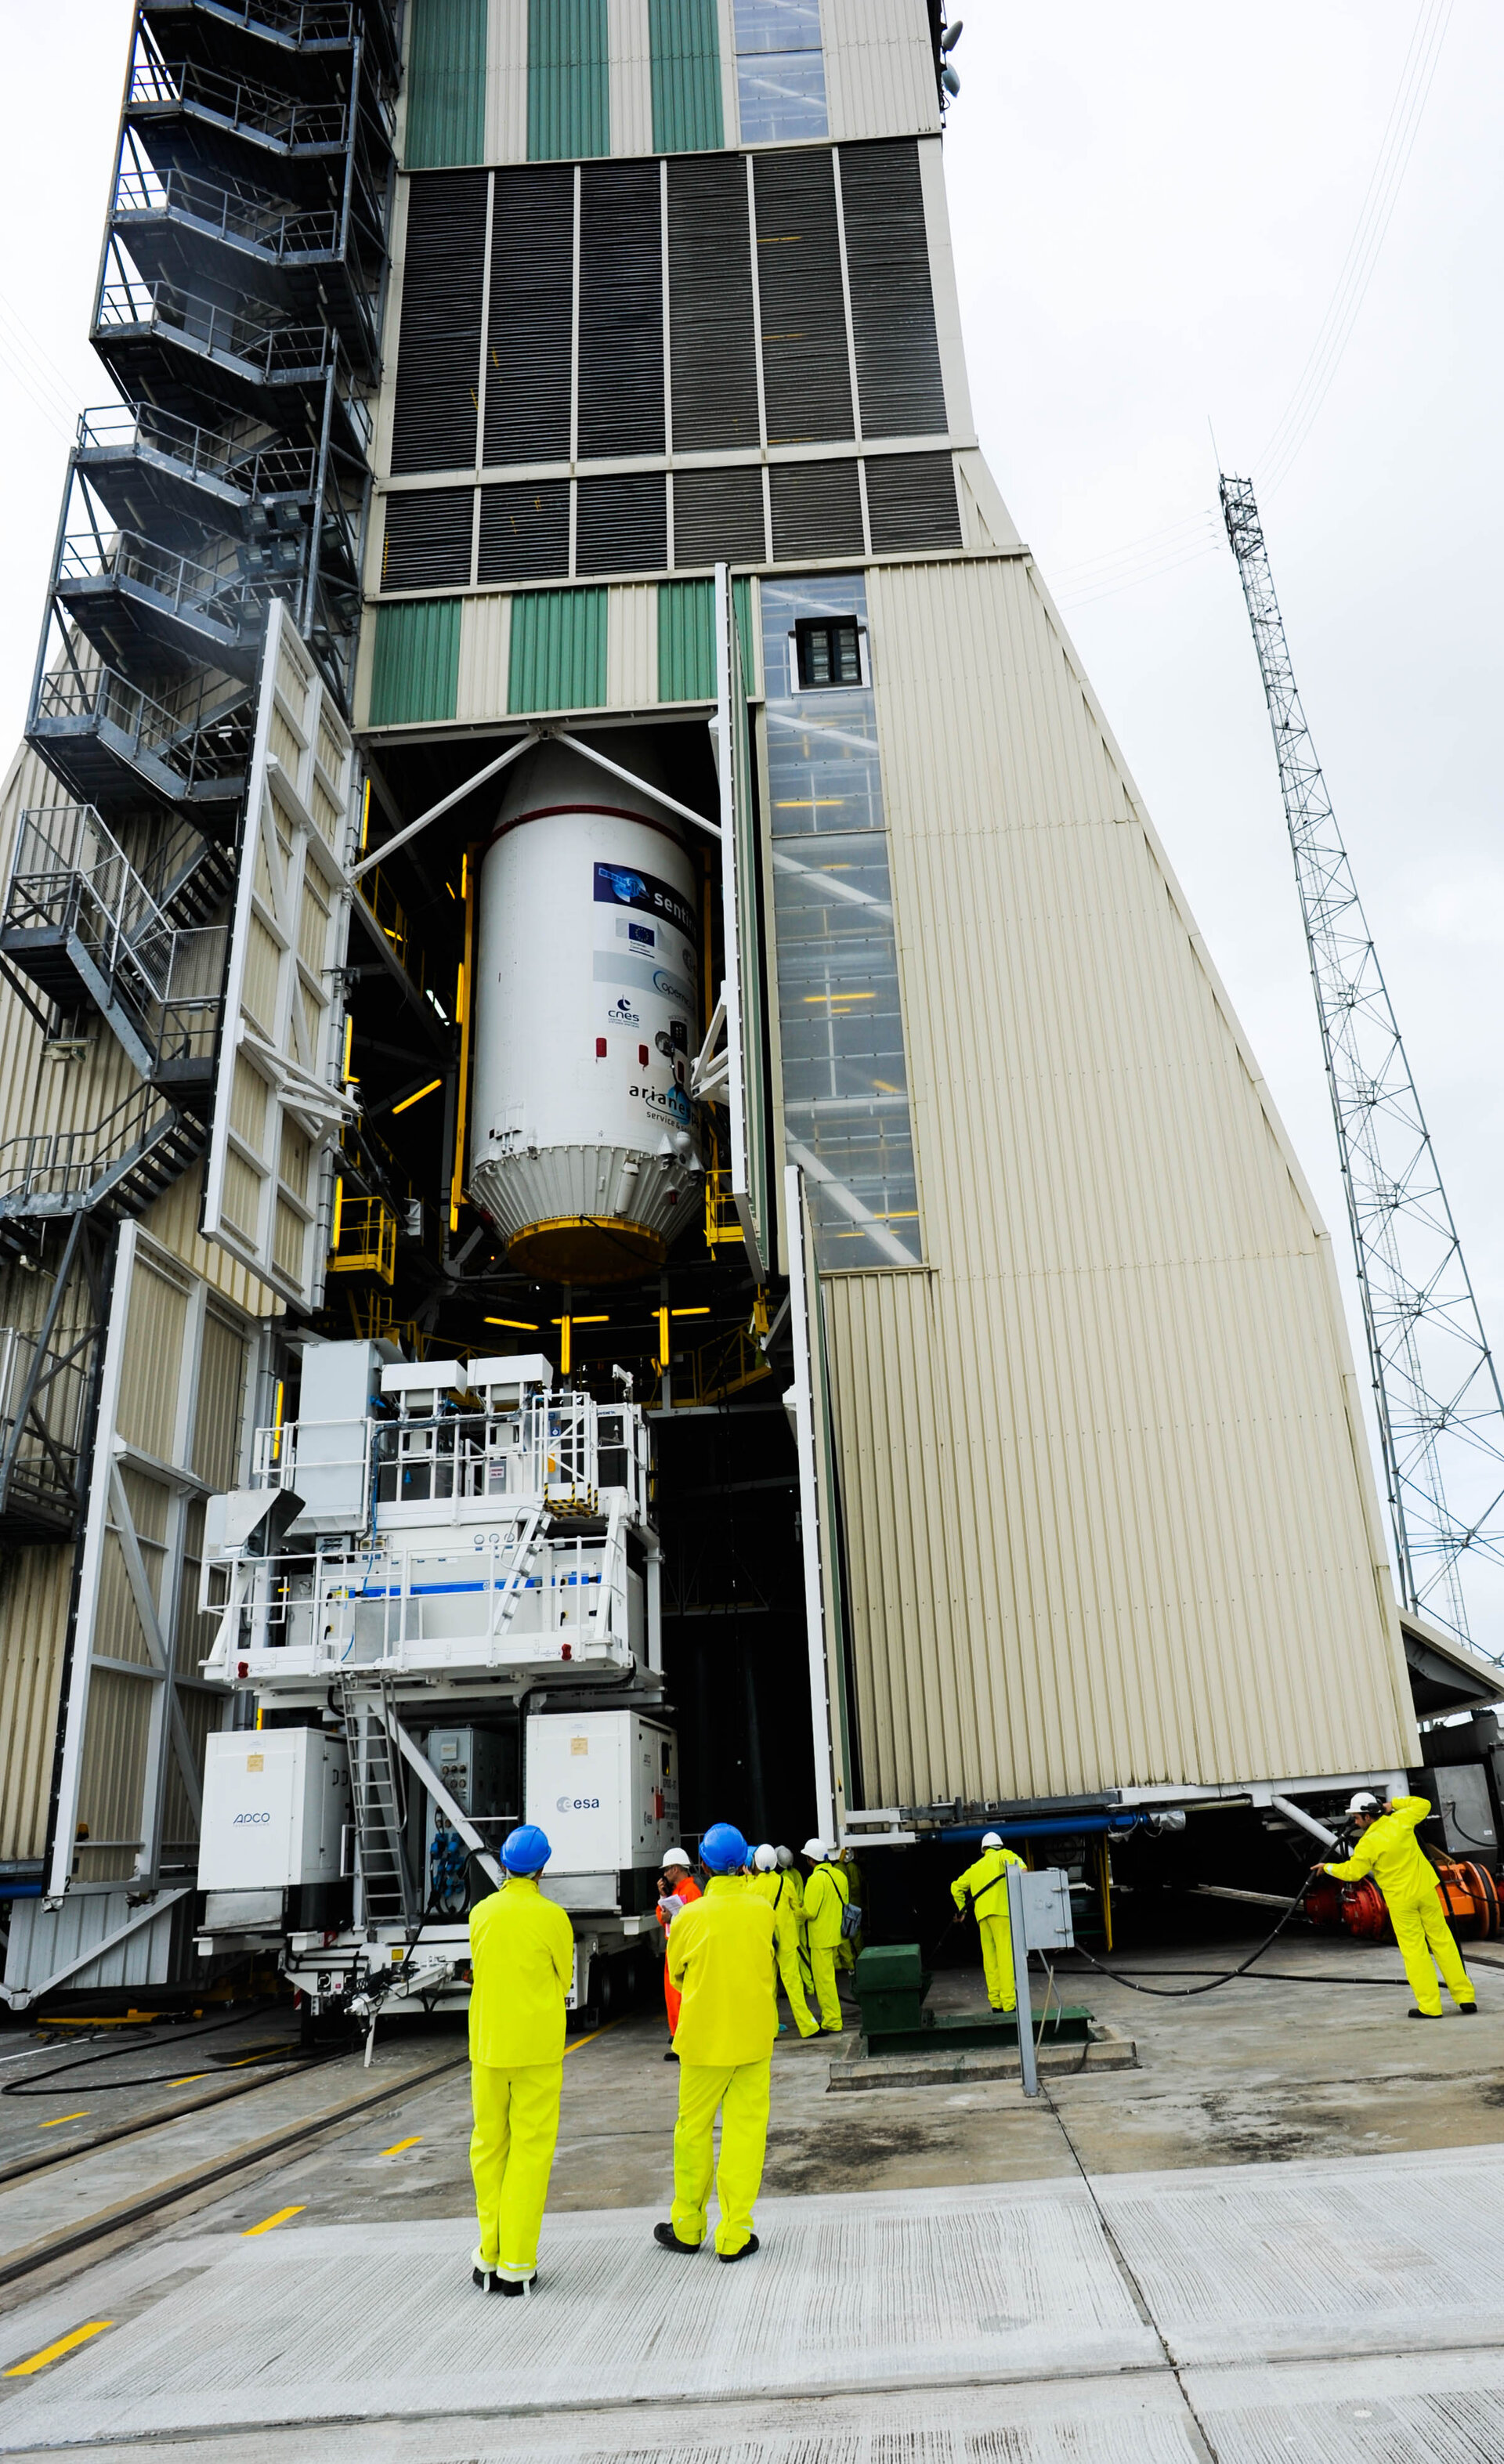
(36, 2085)
(1229, 1977)
(1271, 1975)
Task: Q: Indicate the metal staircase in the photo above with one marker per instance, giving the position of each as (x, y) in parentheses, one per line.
(81, 923)
(121, 1165)
(117, 745)
(378, 1803)
(238, 312)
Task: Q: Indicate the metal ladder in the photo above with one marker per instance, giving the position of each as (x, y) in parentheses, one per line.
(527, 1550)
(378, 1802)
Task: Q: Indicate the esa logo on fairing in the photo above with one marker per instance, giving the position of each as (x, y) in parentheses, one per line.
(577, 1805)
(249, 1818)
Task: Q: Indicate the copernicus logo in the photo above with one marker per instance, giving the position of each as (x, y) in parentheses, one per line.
(249, 1818)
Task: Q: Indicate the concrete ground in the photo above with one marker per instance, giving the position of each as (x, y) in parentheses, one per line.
(1222, 2252)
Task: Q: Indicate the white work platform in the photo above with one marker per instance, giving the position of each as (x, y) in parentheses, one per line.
(1249, 2313)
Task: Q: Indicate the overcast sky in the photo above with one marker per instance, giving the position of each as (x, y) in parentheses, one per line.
(1152, 207)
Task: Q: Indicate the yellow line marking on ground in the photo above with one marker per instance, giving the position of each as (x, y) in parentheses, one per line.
(189, 2082)
(267, 2222)
(63, 2117)
(401, 2145)
(591, 2039)
(55, 2352)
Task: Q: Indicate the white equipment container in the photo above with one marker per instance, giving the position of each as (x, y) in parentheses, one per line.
(339, 1382)
(276, 1805)
(586, 1017)
(605, 1786)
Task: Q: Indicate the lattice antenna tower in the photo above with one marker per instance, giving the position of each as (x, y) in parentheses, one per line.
(1436, 1388)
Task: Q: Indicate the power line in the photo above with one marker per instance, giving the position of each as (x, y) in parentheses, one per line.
(1375, 216)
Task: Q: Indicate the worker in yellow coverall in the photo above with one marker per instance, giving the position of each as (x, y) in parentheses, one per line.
(986, 1886)
(1388, 1849)
(720, 1954)
(826, 1896)
(778, 1890)
(521, 1955)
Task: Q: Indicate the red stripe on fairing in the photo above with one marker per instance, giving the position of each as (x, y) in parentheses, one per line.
(607, 812)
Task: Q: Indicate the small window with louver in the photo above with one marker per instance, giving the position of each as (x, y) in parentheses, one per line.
(524, 531)
(712, 336)
(530, 316)
(817, 511)
(621, 310)
(806, 371)
(892, 310)
(621, 525)
(436, 400)
(428, 541)
(910, 502)
(717, 518)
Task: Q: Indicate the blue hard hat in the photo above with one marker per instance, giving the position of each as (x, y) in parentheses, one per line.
(723, 1848)
(526, 1849)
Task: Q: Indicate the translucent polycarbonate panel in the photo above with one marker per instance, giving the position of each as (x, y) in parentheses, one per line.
(780, 71)
(782, 97)
(777, 25)
(845, 1084)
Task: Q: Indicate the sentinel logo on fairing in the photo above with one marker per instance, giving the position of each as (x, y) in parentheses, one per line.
(249, 1818)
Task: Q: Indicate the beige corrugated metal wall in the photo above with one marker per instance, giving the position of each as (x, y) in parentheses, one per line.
(34, 1619)
(43, 1094)
(879, 70)
(1108, 1506)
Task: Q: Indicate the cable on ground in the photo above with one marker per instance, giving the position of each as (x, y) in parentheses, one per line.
(37, 2085)
(1227, 1976)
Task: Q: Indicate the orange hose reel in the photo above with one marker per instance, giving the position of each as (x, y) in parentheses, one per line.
(1469, 1894)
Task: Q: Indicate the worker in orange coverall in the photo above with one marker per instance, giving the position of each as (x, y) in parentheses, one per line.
(1388, 1849)
(676, 1888)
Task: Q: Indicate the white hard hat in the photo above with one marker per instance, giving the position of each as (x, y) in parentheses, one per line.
(785, 1855)
(1364, 1802)
(677, 1857)
(992, 1839)
(814, 1848)
(766, 1859)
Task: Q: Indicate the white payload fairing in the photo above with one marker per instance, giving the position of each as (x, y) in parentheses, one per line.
(586, 1017)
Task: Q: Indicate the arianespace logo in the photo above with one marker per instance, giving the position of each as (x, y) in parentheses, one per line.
(249, 1817)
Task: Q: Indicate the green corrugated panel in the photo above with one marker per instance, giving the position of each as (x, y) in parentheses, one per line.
(684, 35)
(558, 659)
(568, 81)
(446, 84)
(741, 602)
(686, 641)
(416, 671)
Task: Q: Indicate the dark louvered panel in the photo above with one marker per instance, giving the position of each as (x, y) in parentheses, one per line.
(817, 511)
(438, 352)
(712, 336)
(531, 316)
(893, 312)
(806, 374)
(621, 524)
(910, 502)
(524, 532)
(428, 539)
(717, 518)
(621, 310)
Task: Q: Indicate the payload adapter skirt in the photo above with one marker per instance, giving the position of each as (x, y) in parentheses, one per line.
(587, 1017)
